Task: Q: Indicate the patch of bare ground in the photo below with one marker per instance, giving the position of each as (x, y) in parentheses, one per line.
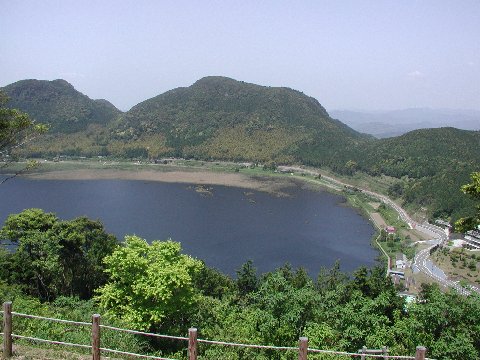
(374, 205)
(378, 220)
(271, 185)
(415, 235)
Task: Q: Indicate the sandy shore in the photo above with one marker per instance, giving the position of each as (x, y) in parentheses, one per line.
(272, 185)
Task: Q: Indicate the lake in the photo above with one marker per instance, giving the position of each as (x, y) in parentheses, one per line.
(224, 226)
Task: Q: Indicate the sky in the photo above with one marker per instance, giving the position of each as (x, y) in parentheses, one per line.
(348, 54)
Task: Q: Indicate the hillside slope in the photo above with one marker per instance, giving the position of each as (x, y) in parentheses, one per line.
(432, 163)
(58, 104)
(222, 118)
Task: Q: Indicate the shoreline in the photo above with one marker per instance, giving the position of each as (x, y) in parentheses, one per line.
(274, 184)
(180, 176)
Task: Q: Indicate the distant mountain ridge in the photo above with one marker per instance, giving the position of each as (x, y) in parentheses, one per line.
(382, 124)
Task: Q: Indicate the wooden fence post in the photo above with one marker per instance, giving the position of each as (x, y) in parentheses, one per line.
(192, 344)
(95, 337)
(302, 348)
(385, 352)
(7, 329)
(420, 353)
(363, 351)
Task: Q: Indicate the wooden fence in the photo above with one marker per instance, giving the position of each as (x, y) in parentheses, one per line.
(96, 350)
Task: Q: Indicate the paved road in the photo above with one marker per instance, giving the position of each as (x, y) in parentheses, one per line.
(421, 260)
(423, 264)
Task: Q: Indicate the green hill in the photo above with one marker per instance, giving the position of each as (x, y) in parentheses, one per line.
(58, 104)
(421, 153)
(222, 118)
(432, 163)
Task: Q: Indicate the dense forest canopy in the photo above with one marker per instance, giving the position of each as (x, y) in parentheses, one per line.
(157, 288)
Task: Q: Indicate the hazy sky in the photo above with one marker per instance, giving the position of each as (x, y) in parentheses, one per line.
(348, 54)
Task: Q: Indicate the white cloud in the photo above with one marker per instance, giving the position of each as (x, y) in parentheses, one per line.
(416, 75)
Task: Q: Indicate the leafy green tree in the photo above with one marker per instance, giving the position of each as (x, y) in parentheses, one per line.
(84, 243)
(56, 257)
(16, 129)
(395, 190)
(270, 165)
(285, 309)
(35, 262)
(448, 324)
(247, 280)
(330, 279)
(351, 166)
(473, 191)
(151, 287)
(212, 282)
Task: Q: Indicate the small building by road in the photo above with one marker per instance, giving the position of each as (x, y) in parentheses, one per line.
(400, 261)
(472, 238)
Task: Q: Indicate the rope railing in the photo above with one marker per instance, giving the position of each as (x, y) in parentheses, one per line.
(133, 354)
(78, 323)
(289, 348)
(192, 340)
(136, 332)
(266, 347)
(54, 342)
(344, 353)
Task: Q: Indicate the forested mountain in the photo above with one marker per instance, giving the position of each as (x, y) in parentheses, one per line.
(222, 118)
(58, 104)
(432, 163)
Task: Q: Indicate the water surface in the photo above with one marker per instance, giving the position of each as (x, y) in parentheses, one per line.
(224, 227)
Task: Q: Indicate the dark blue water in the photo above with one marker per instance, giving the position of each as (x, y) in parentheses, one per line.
(225, 229)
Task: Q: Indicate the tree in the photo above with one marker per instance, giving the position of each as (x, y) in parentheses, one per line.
(151, 287)
(285, 308)
(84, 244)
(247, 280)
(34, 264)
(473, 191)
(16, 129)
(446, 323)
(351, 167)
(56, 257)
(211, 282)
(330, 279)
